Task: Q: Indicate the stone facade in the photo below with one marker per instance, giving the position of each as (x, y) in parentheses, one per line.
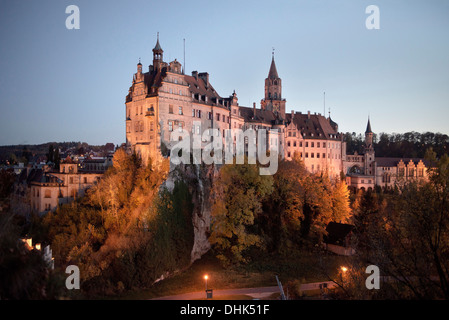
(164, 99)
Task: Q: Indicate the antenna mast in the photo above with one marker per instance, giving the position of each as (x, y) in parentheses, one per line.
(324, 101)
(184, 56)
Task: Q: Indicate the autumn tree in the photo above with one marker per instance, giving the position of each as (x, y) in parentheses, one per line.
(238, 195)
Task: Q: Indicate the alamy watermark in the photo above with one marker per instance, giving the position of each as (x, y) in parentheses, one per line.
(373, 280)
(73, 280)
(373, 20)
(73, 20)
(214, 146)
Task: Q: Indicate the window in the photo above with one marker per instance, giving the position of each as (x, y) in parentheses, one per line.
(317, 155)
(313, 155)
(324, 155)
(300, 144)
(288, 144)
(85, 179)
(307, 144)
(313, 144)
(307, 154)
(47, 193)
(170, 126)
(288, 154)
(317, 144)
(180, 110)
(294, 143)
(170, 108)
(209, 116)
(218, 117)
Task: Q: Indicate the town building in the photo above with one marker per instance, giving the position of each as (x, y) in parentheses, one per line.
(42, 189)
(367, 171)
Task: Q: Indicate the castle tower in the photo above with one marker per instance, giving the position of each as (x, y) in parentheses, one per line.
(368, 137)
(370, 165)
(273, 92)
(157, 55)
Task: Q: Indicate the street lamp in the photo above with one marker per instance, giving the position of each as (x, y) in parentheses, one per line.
(343, 271)
(205, 278)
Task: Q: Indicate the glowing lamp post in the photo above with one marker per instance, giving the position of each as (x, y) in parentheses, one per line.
(343, 271)
(208, 292)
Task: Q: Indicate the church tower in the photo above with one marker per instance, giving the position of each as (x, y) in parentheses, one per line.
(369, 151)
(273, 92)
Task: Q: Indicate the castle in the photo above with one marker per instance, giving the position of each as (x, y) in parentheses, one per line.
(165, 99)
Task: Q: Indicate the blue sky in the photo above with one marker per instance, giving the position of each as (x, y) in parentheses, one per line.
(70, 85)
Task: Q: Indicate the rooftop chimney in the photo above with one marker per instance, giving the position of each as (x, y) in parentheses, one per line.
(254, 110)
(195, 74)
(205, 77)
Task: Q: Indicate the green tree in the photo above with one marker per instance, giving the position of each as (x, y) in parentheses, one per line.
(239, 193)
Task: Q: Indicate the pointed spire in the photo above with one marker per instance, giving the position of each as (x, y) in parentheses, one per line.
(368, 127)
(158, 46)
(273, 74)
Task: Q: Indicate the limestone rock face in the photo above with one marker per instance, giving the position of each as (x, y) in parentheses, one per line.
(199, 178)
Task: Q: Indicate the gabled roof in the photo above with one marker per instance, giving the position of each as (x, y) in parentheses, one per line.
(265, 116)
(393, 162)
(313, 125)
(198, 86)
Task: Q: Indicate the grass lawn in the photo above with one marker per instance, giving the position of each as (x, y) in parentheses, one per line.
(308, 266)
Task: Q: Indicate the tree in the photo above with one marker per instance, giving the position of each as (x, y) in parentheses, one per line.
(238, 201)
(408, 239)
(281, 220)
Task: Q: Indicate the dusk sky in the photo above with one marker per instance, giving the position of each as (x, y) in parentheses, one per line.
(70, 85)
